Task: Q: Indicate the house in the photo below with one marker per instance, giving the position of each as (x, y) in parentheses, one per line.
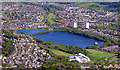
(105, 67)
(116, 66)
(110, 66)
(0, 57)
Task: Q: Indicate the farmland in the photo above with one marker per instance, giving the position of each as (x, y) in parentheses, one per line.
(60, 53)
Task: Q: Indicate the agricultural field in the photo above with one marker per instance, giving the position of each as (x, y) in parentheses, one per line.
(60, 53)
(98, 53)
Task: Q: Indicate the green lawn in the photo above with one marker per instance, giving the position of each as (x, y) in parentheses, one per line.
(103, 54)
(98, 53)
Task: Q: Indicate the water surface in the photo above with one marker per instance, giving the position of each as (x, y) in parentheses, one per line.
(64, 37)
(29, 31)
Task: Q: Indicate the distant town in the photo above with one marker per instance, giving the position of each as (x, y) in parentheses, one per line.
(23, 16)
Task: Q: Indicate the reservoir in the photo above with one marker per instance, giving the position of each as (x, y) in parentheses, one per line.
(63, 37)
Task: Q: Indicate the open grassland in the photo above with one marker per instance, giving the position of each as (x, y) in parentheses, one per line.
(88, 4)
(60, 53)
(98, 6)
(51, 18)
(83, 4)
(98, 53)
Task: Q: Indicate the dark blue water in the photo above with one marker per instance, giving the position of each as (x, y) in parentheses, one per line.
(63, 37)
(29, 31)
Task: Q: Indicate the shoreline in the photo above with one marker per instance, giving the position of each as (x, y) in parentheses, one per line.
(105, 39)
(40, 32)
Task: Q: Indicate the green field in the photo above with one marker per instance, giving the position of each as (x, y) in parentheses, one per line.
(103, 54)
(85, 4)
(98, 53)
(97, 6)
(60, 53)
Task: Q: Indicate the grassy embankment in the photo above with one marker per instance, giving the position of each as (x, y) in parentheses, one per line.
(41, 32)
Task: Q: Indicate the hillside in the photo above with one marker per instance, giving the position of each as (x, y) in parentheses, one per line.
(110, 6)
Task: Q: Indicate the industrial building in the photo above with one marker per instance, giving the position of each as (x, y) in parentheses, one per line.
(74, 24)
(87, 25)
(81, 58)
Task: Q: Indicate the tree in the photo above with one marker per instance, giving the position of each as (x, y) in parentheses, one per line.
(82, 12)
(118, 55)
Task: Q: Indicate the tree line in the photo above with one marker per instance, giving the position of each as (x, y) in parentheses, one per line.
(48, 8)
(46, 31)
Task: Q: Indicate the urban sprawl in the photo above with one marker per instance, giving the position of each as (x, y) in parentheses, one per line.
(28, 53)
